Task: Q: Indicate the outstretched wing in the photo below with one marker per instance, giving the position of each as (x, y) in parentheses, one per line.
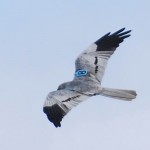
(93, 60)
(59, 103)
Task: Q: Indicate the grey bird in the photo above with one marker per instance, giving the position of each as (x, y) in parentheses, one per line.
(89, 70)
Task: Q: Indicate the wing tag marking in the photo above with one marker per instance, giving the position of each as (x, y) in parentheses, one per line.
(81, 73)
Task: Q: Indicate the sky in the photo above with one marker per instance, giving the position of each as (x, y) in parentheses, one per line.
(39, 42)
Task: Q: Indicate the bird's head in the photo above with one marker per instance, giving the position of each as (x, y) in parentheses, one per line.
(63, 86)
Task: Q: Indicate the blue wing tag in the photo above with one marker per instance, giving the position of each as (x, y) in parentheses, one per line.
(81, 73)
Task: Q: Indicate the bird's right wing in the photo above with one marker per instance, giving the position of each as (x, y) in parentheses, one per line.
(59, 103)
(94, 59)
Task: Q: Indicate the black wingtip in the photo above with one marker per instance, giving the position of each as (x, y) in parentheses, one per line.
(122, 29)
(109, 42)
(119, 31)
(54, 114)
(107, 34)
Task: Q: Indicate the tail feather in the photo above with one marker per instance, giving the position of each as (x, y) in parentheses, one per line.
(119, 93)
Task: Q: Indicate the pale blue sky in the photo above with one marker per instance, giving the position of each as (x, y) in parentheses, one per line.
(39, 41)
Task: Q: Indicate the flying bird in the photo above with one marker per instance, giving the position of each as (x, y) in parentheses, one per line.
(89, 70)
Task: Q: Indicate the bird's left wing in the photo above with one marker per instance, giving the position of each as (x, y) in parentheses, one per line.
(59, 103)
(92, 62)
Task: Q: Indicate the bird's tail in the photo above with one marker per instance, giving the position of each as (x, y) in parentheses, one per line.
(127, 95)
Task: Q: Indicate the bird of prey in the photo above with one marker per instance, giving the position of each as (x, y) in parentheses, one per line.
(89, 70)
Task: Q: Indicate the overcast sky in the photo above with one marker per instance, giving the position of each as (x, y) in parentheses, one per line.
(39, 41)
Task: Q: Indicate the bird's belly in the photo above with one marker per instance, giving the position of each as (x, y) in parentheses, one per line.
(87, 88)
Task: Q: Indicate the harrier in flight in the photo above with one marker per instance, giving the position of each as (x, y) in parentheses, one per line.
(89, 70)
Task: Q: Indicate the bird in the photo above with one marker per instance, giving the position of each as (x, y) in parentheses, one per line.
(90, 67)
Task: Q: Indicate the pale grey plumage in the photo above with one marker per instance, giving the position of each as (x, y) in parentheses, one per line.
(90, 68)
